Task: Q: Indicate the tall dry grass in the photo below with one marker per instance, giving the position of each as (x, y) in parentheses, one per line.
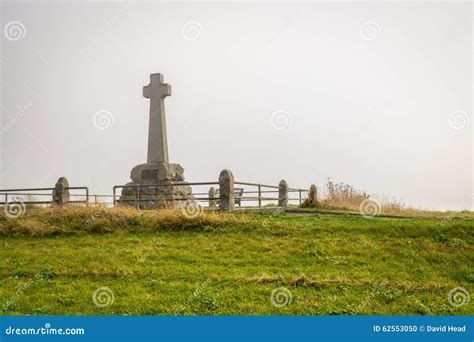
(72, 219)
(341, 196)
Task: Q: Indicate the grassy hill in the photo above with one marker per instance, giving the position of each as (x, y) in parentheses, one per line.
(159, 262)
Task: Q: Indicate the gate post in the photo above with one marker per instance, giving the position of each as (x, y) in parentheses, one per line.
(226, 190)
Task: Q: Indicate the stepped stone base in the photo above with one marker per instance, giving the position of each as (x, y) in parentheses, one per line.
(160, 191)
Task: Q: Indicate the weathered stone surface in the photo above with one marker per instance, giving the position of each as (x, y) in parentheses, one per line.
(212, 198)
(157, 172)
(155, 195)
(226, 190)
(283, 194)
(159, 190)
(61, 193)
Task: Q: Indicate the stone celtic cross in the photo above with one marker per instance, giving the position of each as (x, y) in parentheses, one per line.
(154, 183)
(156, 91)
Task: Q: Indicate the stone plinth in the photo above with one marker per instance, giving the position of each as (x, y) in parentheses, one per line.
(157, 172)
(158, 186)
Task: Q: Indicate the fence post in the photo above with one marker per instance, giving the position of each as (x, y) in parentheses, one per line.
(226, 190)
(259, 195)
(61, 193)
(212, 198)
(312, 200)
(313, 191)
(313, 194)
(137, 204)
(283, 194)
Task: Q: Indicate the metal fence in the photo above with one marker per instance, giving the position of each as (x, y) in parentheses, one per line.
(36, 196)
(247, 195)
(262, 195)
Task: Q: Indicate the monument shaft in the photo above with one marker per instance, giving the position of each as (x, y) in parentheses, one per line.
(156, 91)
(157, 139)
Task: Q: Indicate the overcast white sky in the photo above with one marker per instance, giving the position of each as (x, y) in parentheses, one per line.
(377, 95)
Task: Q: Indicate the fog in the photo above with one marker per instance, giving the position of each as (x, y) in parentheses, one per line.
(377, 95)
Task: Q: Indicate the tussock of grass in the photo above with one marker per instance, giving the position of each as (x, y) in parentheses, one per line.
(345, 197)
(301, 280)
(263, 279)
(76, 220)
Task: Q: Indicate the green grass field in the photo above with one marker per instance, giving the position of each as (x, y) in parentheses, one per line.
(160, 263)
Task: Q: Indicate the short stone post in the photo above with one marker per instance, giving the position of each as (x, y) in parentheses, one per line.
(226, 190)
(312, 200)
(313, 194)
(212, 198)
(61, 192)
(283, 194)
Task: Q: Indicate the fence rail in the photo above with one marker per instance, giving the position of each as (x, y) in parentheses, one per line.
(260, 198)
(252, 195)
(12, 193)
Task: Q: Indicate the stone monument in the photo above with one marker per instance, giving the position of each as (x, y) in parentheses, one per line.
(157, 176)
